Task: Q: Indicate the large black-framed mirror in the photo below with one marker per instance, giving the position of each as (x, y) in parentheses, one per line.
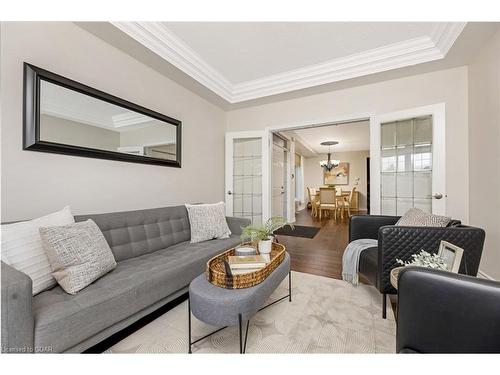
(67, 117)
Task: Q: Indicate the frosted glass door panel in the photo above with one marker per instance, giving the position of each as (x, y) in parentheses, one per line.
(405, 159)
(388, 185)
(247, 178)
(403, 205)
(388, 136)
(422, 185)
(406, 165)
(422, 159)
(389, 160)
(388, 206)
(404, 133)
(404, 185)
(423, 130)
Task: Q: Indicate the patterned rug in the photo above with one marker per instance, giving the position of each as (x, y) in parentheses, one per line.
(325, 316)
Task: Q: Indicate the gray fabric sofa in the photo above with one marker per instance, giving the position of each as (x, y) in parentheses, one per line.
(155, 264)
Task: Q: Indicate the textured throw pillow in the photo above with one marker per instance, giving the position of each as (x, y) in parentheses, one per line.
(415, 217)
(22, 247)
(207, 221)
(78, 254)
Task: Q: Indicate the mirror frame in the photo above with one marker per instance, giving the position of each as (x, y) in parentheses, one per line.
(31, 120)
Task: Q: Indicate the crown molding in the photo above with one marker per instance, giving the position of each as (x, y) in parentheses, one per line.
(129, 118)
(159, 39)
(156, 37)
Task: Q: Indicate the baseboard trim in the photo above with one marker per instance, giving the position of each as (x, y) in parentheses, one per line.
(484, 275)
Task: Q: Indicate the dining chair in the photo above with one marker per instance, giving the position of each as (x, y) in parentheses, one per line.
(346, 201)
(327, 201)
(313, 198)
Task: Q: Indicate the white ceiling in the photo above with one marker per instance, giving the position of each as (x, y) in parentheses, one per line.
(353, 136)
(245, 51)
(243, 61)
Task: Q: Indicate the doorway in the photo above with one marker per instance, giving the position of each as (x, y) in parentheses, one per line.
(307, 172)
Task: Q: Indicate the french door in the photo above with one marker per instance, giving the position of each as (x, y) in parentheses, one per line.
(408, 161)
(245, 195)
(279, 178)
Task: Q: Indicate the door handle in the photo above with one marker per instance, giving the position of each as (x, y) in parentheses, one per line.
(229, 192)
(437, 196)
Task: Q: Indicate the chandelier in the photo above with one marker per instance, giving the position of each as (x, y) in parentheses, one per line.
(329, 164)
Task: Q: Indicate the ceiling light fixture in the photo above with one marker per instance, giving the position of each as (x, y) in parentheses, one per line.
(329, 164)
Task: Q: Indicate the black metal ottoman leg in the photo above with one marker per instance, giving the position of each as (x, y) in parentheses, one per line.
(246, 337)
(241, 338)
(189, 324)
(290, 286)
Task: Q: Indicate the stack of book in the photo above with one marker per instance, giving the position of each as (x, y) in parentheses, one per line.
(247, 263)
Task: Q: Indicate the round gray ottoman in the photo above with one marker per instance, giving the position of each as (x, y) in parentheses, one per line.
(228, 307)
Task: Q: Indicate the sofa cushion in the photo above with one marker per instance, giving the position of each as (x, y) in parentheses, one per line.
(22, 247)
(134, 233)
(78, 254)
(415, 217)
(63, 320)
(207, 221)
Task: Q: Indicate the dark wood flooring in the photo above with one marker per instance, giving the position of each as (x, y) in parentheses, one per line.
(321, 255)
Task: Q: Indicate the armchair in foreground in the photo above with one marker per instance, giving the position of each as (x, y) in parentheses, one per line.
(442, 312)
(401, 242)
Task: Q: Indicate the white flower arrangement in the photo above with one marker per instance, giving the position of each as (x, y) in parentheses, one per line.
(425, 259)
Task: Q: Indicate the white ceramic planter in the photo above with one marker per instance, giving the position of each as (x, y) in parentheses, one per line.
(265, 246)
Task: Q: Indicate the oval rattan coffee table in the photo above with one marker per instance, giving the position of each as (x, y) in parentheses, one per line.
(229, 307)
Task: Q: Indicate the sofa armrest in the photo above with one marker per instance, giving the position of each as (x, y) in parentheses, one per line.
(367, 226)
(442, 312)
(236, 223)
(17, 315)
(402, 242)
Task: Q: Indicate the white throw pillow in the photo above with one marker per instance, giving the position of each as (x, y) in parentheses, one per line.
(22, 247)
(415, 217)
(207, 221)
(78, 254)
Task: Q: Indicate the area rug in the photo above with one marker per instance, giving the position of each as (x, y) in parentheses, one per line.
(298, 231)
(325, 316)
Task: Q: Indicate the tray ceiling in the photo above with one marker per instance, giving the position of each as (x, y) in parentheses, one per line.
(240, 61)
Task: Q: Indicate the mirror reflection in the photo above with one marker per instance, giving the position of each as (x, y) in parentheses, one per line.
(72, 118)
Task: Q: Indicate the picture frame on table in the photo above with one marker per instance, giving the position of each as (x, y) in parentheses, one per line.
(451, 254)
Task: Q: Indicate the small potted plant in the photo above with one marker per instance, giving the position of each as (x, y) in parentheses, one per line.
(425, 259)
(263, 234)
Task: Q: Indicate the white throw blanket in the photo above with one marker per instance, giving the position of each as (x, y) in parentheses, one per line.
(350, 259)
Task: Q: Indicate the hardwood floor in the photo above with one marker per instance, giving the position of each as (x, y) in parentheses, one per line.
(321, 255)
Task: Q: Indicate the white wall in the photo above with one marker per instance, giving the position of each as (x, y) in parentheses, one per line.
(313, 173)
(35, 183)
(448, 86)
(484, 151)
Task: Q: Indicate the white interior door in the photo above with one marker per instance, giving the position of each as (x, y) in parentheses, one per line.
(279, 181)
(408, 161)
(245, 152)
(291, 178)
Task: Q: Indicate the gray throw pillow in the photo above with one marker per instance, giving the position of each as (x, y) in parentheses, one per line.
(78, 254)
(207, 221)
(415, 217)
